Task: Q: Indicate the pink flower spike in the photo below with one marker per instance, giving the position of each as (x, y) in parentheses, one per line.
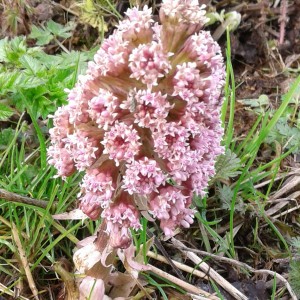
(145, 115)
(185, 11)
(84, 150)
(103, 108)
(148, 63)
(170, 140)
(120, 217)
(59, 157)
(136, 27)
(143, 177)
(149, 109)
(170, 206)
(188, 83)
(98, 187)
(112, 57)
(139, 18)
(121, 142)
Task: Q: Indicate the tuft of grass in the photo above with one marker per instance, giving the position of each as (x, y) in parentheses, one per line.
(238, 175)
(34, 81)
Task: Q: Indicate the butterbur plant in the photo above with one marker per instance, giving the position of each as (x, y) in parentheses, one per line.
(144, 124)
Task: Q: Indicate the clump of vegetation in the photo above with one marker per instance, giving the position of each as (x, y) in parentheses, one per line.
(33, 80)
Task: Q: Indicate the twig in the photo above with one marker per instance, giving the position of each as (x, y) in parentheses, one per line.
(281, 278)
(282, 20)
(196, 297)
(186, 286)
(290, 184)
(9, 196)
(243, 265)
(24, 261)
(211, 272)
(278, 206)
(285, 212)
(65, 8)
(161, 248)
(179, 265)
(272, 31)
(61, 46)
(268, 181)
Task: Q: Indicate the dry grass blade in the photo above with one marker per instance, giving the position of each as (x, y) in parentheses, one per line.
(186, 286)
(24, 261)
(279, 177)
(212, 273)
(242, 265)
(273, 210)
(179, 265)
(195, 297)
(285, 212)
(282, 202)
(7, 291)
(67, 9)
(290, 184)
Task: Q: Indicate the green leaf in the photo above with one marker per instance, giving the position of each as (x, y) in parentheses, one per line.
(43, 36)
(49, 60)
(14, 49)
(295, 242)
(45, 40)
(227, 166)
(60, 30)
(7, 81)
(5, 112)
(226, 195)
(3, 44)
(10, 81)
(285, 134)
(42, 78)
(32, 65)
(262, 100)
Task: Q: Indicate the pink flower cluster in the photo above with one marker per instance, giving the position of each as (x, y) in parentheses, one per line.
(144, 122)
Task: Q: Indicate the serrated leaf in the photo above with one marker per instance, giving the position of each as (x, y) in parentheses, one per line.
(50, 60)
(15, 48)
(227, 166)
(11, 81)
(43, 36)
(32, 65)
(3, 44)
(45, 40)
(226, 194)
(285, 134)
(294, 276)
(5, 112)
(41, 78)
(60, 30)
(295, 242)
(7, 80)
(37, 32)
